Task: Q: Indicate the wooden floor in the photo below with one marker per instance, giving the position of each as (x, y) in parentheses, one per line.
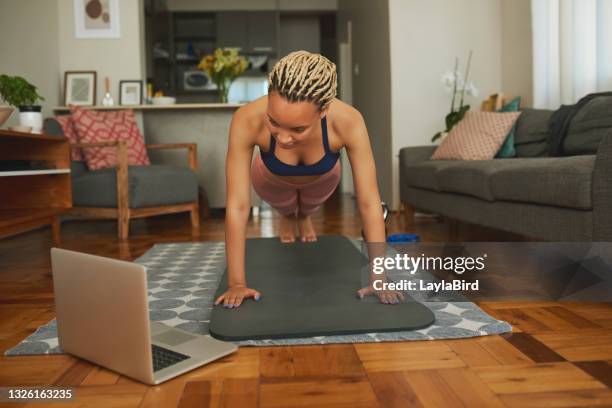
(559, 355)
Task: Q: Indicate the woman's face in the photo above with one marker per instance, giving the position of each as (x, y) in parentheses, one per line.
(291, 123)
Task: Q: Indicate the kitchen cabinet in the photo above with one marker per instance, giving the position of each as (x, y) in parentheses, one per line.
(250, 32)
(262, 31)
(232, 30)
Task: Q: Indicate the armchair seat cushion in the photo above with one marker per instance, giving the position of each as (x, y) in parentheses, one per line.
(149, 186)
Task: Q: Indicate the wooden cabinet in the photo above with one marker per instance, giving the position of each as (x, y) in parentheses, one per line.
(36, 196)
(250, 32)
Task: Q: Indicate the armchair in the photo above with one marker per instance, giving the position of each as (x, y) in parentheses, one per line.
(128, 192)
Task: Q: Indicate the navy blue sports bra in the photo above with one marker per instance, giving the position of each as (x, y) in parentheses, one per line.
(327, 162)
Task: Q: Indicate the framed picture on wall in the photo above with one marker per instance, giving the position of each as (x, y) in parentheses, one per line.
(96, 18)
(130, 92)
(80, 88)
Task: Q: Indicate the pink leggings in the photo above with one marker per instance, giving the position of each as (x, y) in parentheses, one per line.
(288, 198)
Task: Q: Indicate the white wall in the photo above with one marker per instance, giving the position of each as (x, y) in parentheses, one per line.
(118, 59)
(37, 41)
(517, 50)
(29, 47)
(426, 36)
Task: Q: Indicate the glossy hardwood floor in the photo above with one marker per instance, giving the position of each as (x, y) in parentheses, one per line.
(559, 354)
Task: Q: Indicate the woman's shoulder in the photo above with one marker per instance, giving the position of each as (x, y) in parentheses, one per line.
(249, 116)
(343, 117)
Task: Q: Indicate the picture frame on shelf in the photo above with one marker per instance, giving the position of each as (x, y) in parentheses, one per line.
(80, 88)
(96, 19)
(130, 92)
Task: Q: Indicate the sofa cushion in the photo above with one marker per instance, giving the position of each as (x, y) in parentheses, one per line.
(507, 149)
(558, 181)
(470, 177)
(478, 136)
(149, 186)
(588, 127)
(423, 174)
(531, 133)
(103, 126)
(70, 132)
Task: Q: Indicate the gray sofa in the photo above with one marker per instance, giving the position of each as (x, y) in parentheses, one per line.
(546, 198)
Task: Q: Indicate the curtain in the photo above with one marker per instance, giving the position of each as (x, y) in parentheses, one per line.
(572, 50)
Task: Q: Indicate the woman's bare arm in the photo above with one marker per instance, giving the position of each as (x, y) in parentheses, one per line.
(361, 158)
(237, 207)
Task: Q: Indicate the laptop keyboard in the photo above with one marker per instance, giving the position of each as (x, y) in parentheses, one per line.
(163, 358)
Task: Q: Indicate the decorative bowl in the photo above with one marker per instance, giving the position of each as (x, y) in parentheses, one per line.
(5, 112)
(164, 100)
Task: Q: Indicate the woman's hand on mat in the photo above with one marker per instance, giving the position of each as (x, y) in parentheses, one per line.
(389, 297)
(234, 296)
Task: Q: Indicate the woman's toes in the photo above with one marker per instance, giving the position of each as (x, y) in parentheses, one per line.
(287, 229)
(287, 239)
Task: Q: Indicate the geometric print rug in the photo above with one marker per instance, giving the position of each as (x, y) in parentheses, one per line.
(182, 279)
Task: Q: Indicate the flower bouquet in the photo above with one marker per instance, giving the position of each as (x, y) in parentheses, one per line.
(223, 67)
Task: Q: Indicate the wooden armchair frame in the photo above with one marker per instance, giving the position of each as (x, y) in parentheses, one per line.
(123, 213)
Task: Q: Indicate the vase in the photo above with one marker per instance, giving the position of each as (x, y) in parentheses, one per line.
(31, 116)
(223, 96)
(223, 92)
(223, 87)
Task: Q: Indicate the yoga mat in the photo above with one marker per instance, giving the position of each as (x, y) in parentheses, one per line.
(309, 289)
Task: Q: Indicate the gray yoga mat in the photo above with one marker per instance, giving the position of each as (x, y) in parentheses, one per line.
(309, 289)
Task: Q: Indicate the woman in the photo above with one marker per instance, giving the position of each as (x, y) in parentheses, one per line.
(299, 128)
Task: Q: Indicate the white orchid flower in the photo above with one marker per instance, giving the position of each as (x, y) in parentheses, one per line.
(471, 89)
(448, 79)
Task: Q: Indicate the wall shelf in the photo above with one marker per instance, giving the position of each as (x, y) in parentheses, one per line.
(32, 172)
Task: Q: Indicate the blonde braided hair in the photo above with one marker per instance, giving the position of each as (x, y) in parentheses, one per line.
(304, 76)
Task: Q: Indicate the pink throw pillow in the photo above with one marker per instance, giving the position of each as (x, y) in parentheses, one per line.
(478, 136)
(70, 133)
(102, 126)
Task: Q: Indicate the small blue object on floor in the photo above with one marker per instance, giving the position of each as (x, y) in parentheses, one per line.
(403, 238)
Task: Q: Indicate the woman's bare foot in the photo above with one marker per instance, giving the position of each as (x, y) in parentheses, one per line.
(287, 229)
(307, 232)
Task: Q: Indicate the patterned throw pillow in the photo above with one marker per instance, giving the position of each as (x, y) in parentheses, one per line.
(507, 150)
(103, 126)
(65, 122)
(477, 137)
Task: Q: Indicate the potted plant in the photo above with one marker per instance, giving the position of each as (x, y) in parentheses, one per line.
(457, 86)
(18, 92)
(223, 67)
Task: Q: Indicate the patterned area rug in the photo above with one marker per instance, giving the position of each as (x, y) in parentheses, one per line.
(183, 278)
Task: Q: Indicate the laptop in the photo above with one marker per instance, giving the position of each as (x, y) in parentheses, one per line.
(103, 317)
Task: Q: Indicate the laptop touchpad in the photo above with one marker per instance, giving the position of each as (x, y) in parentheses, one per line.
(173, 337)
